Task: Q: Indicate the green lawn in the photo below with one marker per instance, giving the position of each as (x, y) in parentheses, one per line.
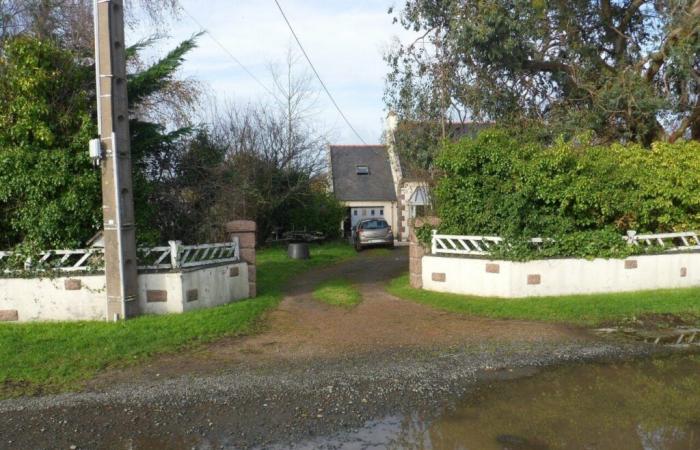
(588, 310)
(48, 357)
(339, 292)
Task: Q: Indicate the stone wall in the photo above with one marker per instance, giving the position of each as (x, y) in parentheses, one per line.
(245, 230)
(418, 250)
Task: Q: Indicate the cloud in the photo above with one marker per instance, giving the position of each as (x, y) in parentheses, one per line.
(345, 40)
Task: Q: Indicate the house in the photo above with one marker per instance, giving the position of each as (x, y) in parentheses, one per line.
(369, 181)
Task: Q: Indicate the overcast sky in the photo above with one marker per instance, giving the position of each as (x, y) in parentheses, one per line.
(344, 38)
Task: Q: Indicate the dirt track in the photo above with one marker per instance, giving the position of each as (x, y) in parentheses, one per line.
(314, 370)
(302, 328)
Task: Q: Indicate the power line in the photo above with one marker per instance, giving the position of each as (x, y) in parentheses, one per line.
(317, 75)
(236, 60)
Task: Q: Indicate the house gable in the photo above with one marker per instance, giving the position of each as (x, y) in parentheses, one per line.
(361, 173)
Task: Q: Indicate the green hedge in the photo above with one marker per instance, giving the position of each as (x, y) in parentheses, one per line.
(581, 195)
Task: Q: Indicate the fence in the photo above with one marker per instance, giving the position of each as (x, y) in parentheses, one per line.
(173, 256)
(481, 245)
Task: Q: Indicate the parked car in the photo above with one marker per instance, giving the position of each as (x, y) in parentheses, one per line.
(370, 232)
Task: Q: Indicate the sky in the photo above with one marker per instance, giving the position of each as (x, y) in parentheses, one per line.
(345, 40)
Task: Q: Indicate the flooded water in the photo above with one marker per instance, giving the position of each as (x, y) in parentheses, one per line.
(650, 405)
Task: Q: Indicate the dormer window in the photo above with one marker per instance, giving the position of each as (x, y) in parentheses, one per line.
(363, 170)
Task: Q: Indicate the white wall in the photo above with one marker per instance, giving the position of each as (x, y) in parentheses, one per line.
(559, 276)
(215, 286)
(390, 212)
(47, 298)
(51, 299)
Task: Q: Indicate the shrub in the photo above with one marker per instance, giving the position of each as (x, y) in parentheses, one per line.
(581, 195)
(321, 213)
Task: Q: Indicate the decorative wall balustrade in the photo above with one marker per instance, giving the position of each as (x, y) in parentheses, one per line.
(482, 245)
(170, 257)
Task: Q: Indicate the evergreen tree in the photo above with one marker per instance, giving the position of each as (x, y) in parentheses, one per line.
(49, 192)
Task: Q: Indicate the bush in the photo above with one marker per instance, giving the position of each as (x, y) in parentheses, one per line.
(322, 213)
(581, 195)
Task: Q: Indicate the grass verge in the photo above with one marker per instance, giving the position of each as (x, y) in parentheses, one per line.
(339, 292)
(587, 310)
(50, 357)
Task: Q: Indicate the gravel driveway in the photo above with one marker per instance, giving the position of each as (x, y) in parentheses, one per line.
(314, 370)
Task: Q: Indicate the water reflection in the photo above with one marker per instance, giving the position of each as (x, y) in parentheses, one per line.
(649, 405)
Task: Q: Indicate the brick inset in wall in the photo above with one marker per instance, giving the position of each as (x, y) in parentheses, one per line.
(72, 284)
(631, 264)
(493, 268)
(156, 296)
(233, 272)
(9, 315)
(684, 272)
(534, 279)
(439, 277)
(192, 295)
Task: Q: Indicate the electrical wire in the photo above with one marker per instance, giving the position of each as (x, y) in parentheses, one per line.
(330, 96)
(236, 60)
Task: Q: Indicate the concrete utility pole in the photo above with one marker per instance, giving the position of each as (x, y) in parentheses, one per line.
(117, 195)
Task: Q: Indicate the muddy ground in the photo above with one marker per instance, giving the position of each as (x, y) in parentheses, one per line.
(314, 370)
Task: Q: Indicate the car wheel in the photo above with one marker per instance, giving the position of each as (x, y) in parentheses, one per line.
(358, 247)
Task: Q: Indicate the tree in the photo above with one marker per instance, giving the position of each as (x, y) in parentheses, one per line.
(70, 22)
(274, 154)
(49, 191)
(627, 69)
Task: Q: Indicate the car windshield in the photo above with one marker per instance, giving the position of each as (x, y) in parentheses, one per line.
(374, 225)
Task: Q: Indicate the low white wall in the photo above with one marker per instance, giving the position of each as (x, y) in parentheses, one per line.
(493, 278)
(215, 286)
(33, 299)
(82, 297)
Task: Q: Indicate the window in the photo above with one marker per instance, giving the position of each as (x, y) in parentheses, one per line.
(381, 212)
(354, 212)
(363, 170)
(374, 225)
(371, 213)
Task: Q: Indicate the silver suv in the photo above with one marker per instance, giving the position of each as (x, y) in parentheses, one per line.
(372, 232)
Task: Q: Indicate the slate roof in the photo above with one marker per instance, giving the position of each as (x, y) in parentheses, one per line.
(349, 186)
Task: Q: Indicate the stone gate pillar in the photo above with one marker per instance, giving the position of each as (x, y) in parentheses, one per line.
(245, 231)
(417, 250)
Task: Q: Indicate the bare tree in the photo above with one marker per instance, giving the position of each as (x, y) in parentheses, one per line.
(272, 153)
(71, 21)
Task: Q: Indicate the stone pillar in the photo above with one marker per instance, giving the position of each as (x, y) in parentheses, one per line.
(418, 250)
(245, 231)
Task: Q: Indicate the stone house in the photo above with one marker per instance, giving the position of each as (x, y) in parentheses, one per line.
(369, 181)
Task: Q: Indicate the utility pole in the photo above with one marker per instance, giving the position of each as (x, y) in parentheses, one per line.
(115, 161)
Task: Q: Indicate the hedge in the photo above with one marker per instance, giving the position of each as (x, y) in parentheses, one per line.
(583, 196)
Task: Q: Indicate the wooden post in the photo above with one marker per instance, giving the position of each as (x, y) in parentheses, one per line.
(117, 195)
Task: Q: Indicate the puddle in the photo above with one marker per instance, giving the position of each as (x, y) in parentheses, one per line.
(649, 405)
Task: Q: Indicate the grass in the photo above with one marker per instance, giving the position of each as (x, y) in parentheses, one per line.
(339, 292)
(587, 310)
(51, 357)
